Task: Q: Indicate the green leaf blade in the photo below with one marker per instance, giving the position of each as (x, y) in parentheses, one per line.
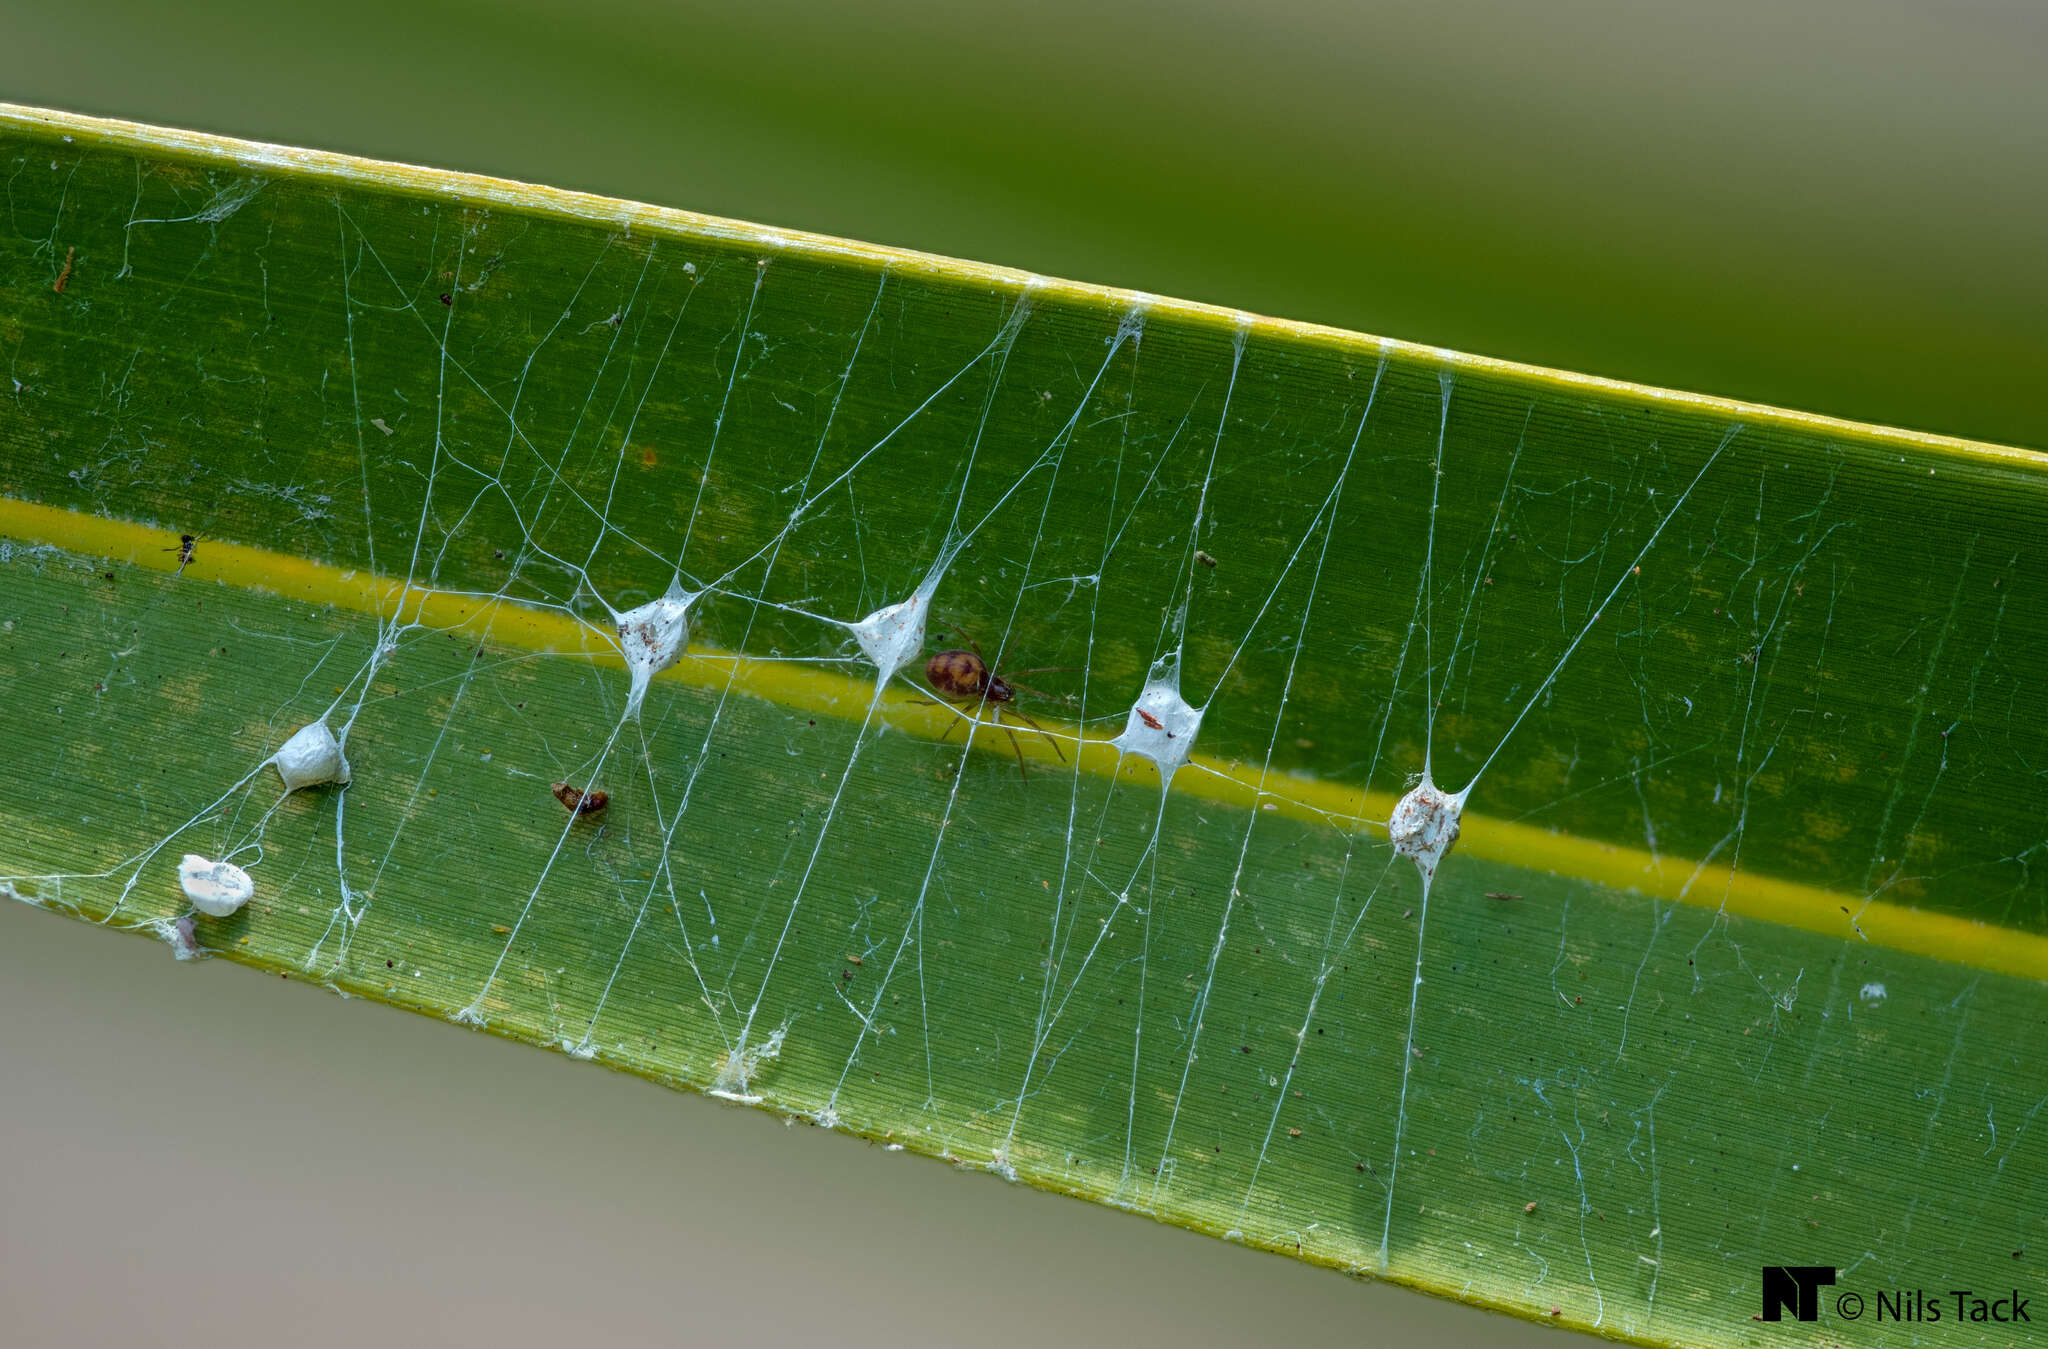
(1726, 970)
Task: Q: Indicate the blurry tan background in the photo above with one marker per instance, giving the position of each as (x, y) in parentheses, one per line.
(205, 1156)
(1837, 206)
(1830, 204)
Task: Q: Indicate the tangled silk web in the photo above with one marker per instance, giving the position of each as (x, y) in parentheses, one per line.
(741, 533)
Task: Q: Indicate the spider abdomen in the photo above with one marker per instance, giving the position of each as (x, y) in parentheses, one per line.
(963, 674)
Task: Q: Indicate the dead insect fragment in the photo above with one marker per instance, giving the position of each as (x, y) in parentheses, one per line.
(580, 802)
(1150, 720)
(64, 277)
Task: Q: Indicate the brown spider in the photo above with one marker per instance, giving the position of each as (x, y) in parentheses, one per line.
(964, 680)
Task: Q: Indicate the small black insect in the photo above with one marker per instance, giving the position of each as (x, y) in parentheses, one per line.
(185, 547)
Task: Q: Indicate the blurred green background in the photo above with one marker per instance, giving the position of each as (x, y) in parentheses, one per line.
(1830, 206)
(1834, 206)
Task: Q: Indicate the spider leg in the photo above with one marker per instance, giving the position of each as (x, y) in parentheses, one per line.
(1026, 719)
(934, 702)
(956, 628)
(960, 708)
(1021, 769)
(1026, 688)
